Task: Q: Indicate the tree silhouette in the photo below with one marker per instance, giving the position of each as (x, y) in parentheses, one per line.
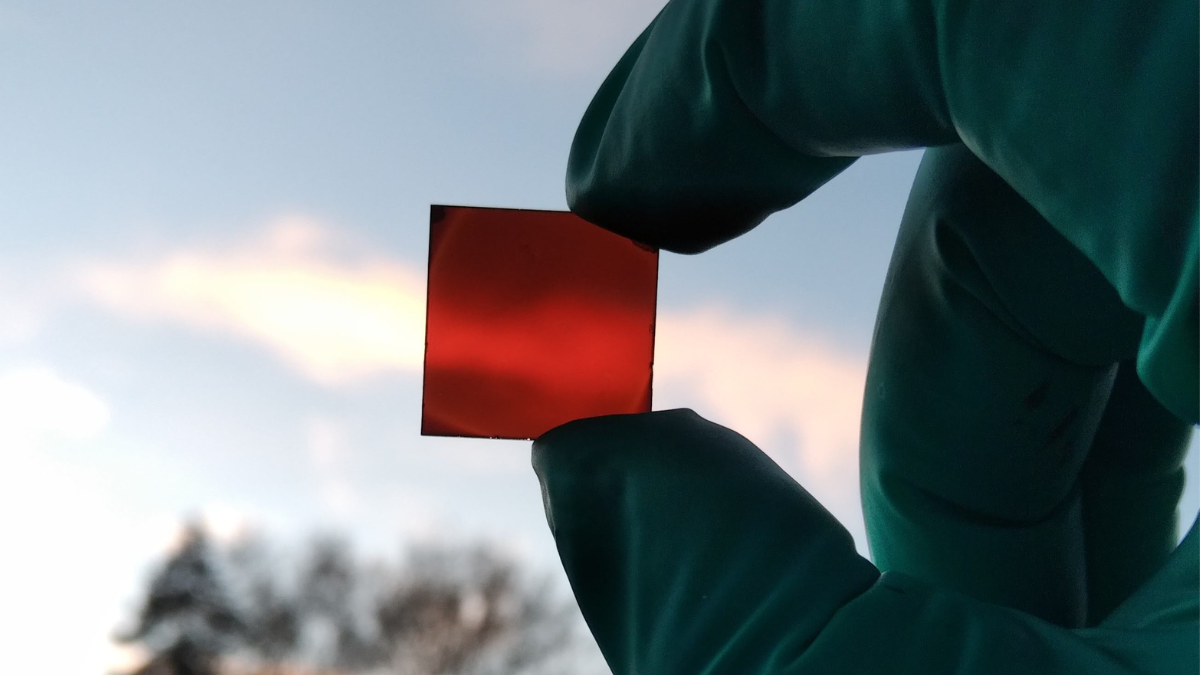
(188, 617)
(241, 609)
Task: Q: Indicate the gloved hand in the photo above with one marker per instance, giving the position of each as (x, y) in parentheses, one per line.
(1033, 378)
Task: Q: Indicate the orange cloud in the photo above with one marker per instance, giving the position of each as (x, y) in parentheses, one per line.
(339, 320)
(335, 321)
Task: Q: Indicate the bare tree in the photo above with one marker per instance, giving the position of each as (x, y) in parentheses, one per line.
(221, 609)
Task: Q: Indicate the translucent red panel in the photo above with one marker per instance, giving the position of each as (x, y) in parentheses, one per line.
(534, 319)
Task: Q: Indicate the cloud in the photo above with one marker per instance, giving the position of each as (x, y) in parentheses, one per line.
(63, 535)
(767, 376)
(565, 37)
(337, 321)
(37, 406)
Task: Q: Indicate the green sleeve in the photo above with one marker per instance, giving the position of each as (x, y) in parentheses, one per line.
(725, 111)
(690, 552)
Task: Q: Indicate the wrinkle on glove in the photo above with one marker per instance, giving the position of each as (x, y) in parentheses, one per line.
(725, 111)
(1009, 451)
(691, 552)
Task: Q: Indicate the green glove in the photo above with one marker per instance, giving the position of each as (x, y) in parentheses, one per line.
(1009, 450)
(689, 551)
(725, 111)
(1019, 481)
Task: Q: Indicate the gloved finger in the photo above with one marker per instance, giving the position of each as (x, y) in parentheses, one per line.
(725, 111)
(687, 547)
(1131, 484)
(689, 551)
(994, 352)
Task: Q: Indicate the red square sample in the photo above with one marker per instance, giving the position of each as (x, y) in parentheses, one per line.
(534, 319)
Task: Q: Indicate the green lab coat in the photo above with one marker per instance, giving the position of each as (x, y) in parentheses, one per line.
(1033, 379)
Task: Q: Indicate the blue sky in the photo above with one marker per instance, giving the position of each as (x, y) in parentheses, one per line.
(213, 222)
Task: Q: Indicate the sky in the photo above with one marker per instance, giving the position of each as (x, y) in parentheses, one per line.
(213, 230)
